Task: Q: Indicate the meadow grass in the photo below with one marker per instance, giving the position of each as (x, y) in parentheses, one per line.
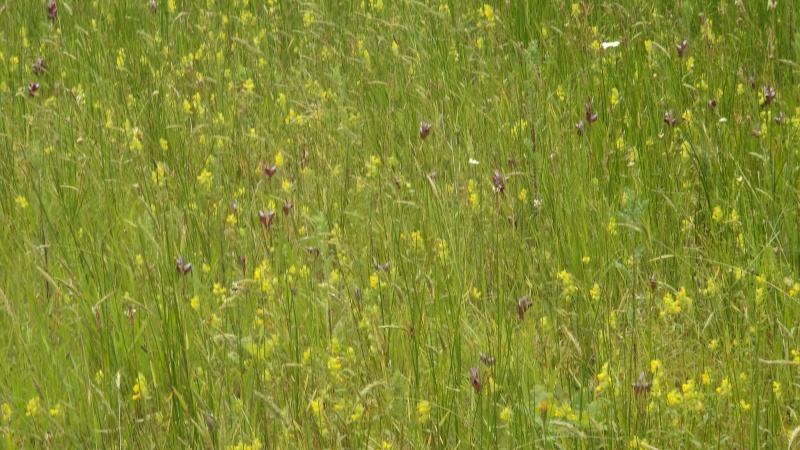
(226, 224)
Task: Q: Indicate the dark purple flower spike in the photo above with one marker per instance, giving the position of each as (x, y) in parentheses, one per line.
(424, 130)
(681, 47)
(591, 118)
(522, 306)
(769, 95)
(183, 268)
(38, 67)
(266, 219)
(669, 119)
(52, 10)
(498, 182)
(579, 127)
(475, 379)
(641, 386)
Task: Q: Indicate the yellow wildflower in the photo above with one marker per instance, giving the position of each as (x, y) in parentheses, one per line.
(724, 388)
(56, 410)
(358, 411)
(506, 414)
(423, 411)
(523, 196)
(6, 411)
(595, 292)
(219, 289)
(744, 405)
(249, 85)
(32, 408)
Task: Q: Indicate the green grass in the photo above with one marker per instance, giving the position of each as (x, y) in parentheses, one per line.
(643, 248)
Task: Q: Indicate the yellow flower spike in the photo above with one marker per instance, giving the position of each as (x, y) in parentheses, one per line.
(523, 196)
(32, 408)
(475, 293)
(717, 214)
(358, 411)
(249, 85)
(56, 411)
(674, 397)
(744, 405)
(5, 409)
(595, 292)
(655, 366)
(423, 412)
(21, 201)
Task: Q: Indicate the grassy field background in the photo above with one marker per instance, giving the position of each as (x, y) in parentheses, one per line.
(223, 224)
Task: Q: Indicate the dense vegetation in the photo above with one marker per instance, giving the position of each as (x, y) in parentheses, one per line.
(396, 224)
